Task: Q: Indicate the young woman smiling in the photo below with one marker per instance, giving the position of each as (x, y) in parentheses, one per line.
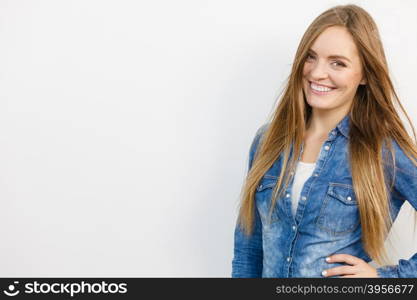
(329, 173)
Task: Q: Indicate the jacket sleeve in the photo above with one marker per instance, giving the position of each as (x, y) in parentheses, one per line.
(406, 186)
(248, 251)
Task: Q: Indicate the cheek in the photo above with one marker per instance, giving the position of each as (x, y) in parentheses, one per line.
(306, 70)
(346, 80)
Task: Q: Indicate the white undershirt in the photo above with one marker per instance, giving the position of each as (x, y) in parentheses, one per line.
(302, 172)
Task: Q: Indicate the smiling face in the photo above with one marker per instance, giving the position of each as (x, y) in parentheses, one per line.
(332, 71)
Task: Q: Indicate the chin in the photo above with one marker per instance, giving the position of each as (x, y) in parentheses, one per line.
(319, 104)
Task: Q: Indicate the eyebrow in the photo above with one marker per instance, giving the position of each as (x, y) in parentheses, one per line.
(332, 56)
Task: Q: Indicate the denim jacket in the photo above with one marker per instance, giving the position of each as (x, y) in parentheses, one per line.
(327, 218)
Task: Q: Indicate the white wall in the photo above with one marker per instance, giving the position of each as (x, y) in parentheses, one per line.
(125, 126)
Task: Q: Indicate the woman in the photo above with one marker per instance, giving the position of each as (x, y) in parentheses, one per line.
(329, 173)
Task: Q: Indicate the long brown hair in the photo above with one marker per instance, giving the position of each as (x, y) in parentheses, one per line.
(374, 122)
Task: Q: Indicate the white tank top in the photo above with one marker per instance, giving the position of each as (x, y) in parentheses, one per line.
(302, 172)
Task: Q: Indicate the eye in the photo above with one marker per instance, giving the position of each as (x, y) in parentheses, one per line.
(339, 63)
(309, 56)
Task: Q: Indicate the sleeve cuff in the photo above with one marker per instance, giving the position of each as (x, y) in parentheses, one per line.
(387, 272)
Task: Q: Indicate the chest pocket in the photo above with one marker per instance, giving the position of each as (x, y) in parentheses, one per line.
(263, 197)
(339, 214)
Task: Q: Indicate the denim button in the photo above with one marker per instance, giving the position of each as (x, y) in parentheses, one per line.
(303, 198)
(287, 195)
(294, 227)
(349, 198)
(315, 174)
(326, 147)
(288, 258)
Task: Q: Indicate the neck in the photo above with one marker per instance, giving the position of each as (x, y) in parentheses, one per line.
(321, 122)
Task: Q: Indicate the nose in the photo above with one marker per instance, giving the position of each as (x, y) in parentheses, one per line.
(318, 71)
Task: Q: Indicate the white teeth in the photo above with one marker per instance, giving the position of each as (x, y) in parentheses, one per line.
(320, 88)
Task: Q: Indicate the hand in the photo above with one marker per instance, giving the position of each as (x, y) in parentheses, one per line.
(356, 268)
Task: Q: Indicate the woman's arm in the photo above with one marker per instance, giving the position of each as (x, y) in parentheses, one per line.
(248, 251)
(406, 185)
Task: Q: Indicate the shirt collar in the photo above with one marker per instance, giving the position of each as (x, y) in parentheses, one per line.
(343, 126)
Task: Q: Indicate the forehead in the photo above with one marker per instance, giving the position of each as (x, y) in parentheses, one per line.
(336, 40)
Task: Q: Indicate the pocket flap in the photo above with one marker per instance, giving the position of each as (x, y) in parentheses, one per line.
(266, 182)
(342, 192)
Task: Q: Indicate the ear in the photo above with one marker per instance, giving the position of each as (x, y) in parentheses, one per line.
(363, 81)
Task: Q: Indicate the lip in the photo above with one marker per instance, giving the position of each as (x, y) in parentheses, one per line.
(328, 86)
(318, 92)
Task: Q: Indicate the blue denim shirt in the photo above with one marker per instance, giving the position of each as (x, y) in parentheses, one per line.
(327, 219)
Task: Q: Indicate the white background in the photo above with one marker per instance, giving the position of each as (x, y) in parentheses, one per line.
(125, 127)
